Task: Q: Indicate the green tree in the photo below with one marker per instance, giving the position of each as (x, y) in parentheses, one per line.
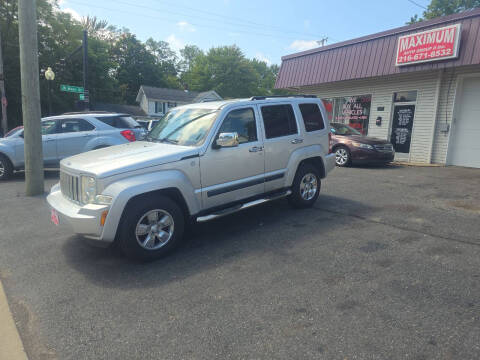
(189, 53)
(225, 70)
(139, 64)
(445, 7)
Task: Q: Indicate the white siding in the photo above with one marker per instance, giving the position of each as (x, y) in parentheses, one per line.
(144, 104)
(445, 110)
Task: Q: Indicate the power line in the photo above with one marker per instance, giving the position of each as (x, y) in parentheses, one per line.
(242, 22)
(174, 21)
(419, 5)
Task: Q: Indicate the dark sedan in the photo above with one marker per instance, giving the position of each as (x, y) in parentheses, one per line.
(351, 146)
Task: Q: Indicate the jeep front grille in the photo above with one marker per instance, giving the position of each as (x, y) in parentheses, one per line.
(70, 186)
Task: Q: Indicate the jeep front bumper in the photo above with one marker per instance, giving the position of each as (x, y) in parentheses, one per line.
(84, 220)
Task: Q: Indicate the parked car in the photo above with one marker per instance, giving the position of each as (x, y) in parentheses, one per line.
(351, 146)
(148, 124)
(201, 162)
(67, 135)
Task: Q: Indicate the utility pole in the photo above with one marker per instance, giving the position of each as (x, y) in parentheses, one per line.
(85, 69)
(322, 41)
(27, 26)
(3, 98)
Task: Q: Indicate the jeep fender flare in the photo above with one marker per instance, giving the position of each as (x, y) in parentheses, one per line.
(299, 155)
(125, 189)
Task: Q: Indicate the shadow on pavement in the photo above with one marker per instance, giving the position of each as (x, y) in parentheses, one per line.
(273, 227)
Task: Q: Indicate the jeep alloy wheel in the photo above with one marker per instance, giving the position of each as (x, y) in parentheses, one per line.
(154, 229)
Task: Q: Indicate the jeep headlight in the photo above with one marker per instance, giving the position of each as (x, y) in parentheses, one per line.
(89, 189)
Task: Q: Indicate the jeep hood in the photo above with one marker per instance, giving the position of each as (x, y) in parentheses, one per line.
(126, 157)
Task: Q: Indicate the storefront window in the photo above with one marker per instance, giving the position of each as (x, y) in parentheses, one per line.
(328, 103)
(405, 96)
(353, 111)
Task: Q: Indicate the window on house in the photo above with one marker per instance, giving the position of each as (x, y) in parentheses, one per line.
(312, 117)
(279, 120)
(241, 121)
(172, 105)
(159, 108)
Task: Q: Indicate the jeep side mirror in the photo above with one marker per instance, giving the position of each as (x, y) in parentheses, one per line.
(229, 139)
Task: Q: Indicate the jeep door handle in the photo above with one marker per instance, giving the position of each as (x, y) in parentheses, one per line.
(297, 141)
(256, 149)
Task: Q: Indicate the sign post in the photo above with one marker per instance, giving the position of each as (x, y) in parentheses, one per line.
(71, 88)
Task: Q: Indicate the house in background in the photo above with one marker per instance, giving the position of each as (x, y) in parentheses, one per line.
(157, 101)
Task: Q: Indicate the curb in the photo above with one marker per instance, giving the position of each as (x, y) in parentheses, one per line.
(404, 163)
(10, 344)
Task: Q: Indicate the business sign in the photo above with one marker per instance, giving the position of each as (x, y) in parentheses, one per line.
(71, 88)
(431, 45)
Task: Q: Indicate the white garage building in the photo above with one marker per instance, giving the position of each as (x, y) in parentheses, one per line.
(418, 86)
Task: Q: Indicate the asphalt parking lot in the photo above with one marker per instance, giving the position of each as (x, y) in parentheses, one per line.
(385, 266)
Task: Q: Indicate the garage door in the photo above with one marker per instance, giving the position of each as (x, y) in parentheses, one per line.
(465, 143)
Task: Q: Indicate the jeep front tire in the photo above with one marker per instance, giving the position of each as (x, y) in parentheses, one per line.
(151, 228)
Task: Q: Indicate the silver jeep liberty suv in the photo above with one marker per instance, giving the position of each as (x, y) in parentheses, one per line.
(200, 162)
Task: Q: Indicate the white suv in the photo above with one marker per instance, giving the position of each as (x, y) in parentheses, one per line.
(69, 134)
(200, 162)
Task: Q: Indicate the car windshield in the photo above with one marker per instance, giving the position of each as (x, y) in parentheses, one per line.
(14, 131)
(187, 127)
(341, 129)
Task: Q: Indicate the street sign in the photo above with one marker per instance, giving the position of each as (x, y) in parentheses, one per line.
(71, 88)
(82, 96)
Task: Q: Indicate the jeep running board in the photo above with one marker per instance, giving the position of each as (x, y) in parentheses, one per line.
(244, 206)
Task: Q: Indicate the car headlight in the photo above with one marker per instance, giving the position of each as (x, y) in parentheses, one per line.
(89, 189)
(362, 146)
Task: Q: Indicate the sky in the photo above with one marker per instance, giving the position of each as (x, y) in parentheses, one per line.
(263, 29)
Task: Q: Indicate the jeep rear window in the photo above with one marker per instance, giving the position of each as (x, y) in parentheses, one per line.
(312, 117)
(119, 122)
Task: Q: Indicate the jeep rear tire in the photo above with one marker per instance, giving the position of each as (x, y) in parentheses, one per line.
(151, 228)
(305, 187)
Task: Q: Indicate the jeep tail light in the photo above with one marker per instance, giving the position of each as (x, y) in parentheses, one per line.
(128, 134)
(330, 142)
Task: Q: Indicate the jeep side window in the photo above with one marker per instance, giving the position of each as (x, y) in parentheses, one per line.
(279, 120)
(312, 117)
(241, 121)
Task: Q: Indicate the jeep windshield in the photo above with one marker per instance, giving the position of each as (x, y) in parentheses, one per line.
(188, 127)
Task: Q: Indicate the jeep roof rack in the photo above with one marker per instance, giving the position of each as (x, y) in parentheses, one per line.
(282, 96)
